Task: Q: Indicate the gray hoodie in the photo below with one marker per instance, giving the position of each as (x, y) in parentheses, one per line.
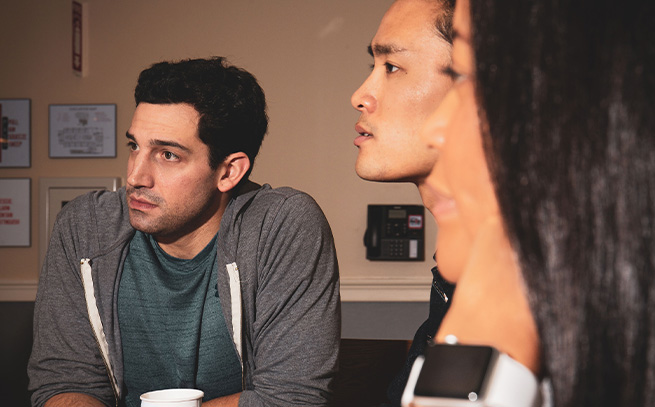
(279, 290)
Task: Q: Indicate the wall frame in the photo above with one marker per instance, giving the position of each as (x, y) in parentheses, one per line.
(82, 131)
(54, 193)
(15, 194)
(15, 136)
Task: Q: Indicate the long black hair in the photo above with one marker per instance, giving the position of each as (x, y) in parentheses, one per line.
(567, 89)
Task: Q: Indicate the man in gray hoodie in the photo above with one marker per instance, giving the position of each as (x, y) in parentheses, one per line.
(191, 276)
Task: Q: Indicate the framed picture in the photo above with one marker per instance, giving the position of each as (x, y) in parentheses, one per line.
(15, 212)
(82, 131)
(54, 193)
(15, 137)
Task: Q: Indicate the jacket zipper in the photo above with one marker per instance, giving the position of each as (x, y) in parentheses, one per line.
(88, 286)
(237, 316)
(113, 388)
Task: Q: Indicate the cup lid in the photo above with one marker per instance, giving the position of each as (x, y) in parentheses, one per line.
(173, 395)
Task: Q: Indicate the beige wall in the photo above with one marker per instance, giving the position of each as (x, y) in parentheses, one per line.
(308, 55)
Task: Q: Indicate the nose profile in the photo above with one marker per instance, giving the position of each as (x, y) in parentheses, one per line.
(363, 99)
(138, 172)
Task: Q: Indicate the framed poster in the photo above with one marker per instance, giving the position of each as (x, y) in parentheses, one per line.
(54, 193)
(82, 131)
(15, 212)
(15, 137)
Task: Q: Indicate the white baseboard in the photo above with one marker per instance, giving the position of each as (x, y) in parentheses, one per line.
(365, 289)
(358, 289)
(18, 291)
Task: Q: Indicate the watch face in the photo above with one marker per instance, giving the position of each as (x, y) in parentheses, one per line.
(453, 371)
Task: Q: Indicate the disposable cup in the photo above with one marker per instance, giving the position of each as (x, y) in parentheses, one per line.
(172, 398)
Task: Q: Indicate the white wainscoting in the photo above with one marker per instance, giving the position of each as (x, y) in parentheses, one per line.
(366, 289)
(17, 290)
(352, 289)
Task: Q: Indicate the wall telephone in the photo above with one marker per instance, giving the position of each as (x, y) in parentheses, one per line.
(395, 232)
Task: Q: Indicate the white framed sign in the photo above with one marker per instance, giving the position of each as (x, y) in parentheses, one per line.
(15, 136)
(54, 193)
(83, 131)
(15, 212)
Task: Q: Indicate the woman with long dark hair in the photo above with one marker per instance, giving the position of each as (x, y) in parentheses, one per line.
(547, 174)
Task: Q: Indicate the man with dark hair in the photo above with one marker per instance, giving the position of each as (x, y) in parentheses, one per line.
(411, 52)
(235, 104)
(192, 275)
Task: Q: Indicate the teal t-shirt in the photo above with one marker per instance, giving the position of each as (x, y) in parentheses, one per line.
(172, 325)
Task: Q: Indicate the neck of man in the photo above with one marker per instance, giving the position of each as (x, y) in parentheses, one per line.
(190, 241)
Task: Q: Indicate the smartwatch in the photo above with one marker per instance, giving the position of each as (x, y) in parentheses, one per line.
(464, 375)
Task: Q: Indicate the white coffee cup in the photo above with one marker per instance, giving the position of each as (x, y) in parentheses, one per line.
(172, 398)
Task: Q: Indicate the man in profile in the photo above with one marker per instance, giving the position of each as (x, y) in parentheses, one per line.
(411, 53)
(192, 276)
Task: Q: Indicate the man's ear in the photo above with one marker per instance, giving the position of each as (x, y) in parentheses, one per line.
(232, 170)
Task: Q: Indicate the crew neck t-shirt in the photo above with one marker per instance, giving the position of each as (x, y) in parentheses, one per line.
(172, 326)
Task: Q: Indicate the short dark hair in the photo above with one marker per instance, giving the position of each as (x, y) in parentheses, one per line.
(230, 102)
(444, 21)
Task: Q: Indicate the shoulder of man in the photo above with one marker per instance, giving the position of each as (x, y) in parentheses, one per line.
(256, 199)
(104, 203)
(103, 213)
(262, 212)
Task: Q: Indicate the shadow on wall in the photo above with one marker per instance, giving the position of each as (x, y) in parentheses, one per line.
(15, 348)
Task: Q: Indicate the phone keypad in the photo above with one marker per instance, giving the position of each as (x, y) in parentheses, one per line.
(394, 247)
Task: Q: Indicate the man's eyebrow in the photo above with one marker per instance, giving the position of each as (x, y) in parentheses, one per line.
(384, 49)
(161, 143)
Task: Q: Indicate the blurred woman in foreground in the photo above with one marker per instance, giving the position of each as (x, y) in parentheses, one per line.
(547, 179)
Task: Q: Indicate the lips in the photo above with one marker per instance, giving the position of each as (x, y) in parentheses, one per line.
(362, 130)
(364, 134)
(139, 203)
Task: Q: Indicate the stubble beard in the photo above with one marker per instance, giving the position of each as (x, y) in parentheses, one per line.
(139, 220)
(169, 225)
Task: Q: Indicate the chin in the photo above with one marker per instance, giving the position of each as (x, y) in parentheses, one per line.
(450, 269)
(451, 259)
(366, 167)
(373, 174)
(367, 175)
(381, 178)
(144, 227)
